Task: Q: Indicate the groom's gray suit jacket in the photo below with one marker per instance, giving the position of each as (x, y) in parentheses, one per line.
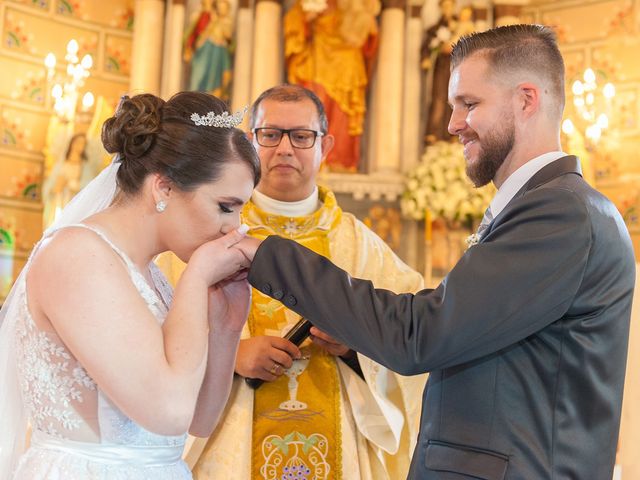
(525, 339)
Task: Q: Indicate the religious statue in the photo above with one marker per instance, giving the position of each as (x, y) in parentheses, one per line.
(207, 48)
(74, 167)
(329, 48)
(436, 52)
(64, 180)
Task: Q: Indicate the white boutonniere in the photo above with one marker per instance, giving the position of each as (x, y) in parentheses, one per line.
(472, 240)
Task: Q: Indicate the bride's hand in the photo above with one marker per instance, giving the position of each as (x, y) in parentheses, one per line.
(229, 302)
(217, 260)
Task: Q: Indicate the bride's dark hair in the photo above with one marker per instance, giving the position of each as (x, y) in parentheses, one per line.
(154, 136)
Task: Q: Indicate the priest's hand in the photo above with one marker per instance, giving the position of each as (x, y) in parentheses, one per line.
(334, 347)
(328, 343)
(265, 357)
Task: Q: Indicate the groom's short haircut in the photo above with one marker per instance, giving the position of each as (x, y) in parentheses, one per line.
(518, 48)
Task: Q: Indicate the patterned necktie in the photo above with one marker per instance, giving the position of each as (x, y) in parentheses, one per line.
(484, 224)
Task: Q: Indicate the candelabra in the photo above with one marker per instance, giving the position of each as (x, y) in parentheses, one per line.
(591, 107)
(66, 89)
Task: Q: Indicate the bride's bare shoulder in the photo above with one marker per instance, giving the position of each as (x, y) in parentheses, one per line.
(72, 263)
(70, 249)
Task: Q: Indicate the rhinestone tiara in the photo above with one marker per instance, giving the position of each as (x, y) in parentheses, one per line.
(222, 120)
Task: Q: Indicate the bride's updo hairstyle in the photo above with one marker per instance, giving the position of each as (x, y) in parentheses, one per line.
(153, 136)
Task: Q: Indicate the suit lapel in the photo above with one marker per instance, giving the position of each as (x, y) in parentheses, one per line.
(562, 166)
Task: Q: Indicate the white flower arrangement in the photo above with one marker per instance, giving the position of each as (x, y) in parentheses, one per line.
(439, 183)
(443, 37)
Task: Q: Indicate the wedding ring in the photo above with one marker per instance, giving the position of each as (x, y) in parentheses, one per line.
(274, 369)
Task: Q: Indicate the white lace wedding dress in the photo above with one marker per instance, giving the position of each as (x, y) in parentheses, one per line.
(77, 432)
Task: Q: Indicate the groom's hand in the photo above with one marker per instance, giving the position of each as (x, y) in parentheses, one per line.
(248, 247)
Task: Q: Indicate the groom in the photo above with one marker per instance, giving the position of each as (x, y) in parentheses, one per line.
(526, 338)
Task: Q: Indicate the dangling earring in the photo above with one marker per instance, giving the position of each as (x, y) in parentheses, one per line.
(160, 206)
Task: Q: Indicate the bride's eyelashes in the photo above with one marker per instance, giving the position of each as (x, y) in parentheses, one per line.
(225, 207)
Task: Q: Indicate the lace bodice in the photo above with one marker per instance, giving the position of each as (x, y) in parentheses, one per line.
(61, 398)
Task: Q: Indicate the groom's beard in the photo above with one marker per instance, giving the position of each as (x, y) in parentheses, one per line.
(494, 148)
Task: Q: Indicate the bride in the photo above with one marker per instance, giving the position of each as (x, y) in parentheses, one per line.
(107, 364)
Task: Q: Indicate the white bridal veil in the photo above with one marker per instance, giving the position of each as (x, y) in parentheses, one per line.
(96, 196)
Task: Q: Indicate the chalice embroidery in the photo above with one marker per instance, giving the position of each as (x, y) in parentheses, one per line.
(299, 366)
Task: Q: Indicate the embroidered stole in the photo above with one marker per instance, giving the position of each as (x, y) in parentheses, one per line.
(296, 419)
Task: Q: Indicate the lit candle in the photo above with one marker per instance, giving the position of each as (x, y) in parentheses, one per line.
(428, 252)
(427, 226)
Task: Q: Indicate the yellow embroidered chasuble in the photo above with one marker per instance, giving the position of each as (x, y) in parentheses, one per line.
(296, 419)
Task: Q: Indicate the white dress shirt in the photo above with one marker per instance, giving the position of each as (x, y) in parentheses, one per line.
(517, 179)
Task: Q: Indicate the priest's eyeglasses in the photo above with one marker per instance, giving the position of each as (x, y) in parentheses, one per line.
(299, 137)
